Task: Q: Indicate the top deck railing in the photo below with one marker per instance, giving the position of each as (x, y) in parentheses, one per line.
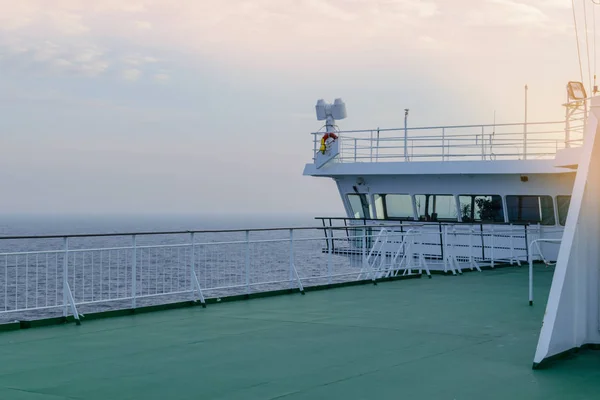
(520, 141)
(513, 141)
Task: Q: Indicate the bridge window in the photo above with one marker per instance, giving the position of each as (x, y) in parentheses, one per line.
(563, 203)
(532, 209)
(359, 205)
(481, 208)
(436, 207)
(394, 206)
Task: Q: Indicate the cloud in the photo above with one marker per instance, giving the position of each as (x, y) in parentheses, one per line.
(161, 78)
(131, 74)
(138, 59)
(512, 13)
(278, 33)
(87, 60)
(142, 25)
(68, 23)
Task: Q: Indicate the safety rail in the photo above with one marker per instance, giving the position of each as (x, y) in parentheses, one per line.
(516, 141)
(47, 276)
(481, 244)
(535, 244)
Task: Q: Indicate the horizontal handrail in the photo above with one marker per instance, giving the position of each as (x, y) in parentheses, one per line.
(519, 124)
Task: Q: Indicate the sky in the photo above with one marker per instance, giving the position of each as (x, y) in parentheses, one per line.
(197, 106)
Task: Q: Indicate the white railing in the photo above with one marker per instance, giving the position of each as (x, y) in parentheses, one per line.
(536, 253)
(517, 141)
(46, 276)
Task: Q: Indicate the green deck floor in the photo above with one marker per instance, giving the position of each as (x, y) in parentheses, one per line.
(464, 337)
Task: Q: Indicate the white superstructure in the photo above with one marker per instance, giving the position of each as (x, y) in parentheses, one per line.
(485, 175)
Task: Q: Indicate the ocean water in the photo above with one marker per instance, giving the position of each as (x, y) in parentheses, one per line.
(56, 224)
(224, 262)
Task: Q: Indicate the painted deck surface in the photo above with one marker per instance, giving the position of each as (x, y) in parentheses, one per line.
(464, 337)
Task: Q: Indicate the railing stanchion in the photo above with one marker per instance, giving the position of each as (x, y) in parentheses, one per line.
(482, 143)
(67, 294)
(291, 257)
(443, 143)
(192, 261)
(194, 282)
(530, 256)
(65, 276)
(329, 258)
(247, 262)
(134, 271)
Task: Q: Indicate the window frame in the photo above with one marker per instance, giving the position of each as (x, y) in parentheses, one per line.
(385, 206)
(366, 212)
(473, 196)
(558, 215)
(541, 221)
(456, 209)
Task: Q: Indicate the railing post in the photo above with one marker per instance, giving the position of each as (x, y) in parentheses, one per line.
(482, 143)
(65, 276)
(192, 262)
(406, 134)
(68, 298)
(525, 128)
(291, 257)
(530, 259)
(247, 262)
(493, 246)
(354, 149)
(134, 271)
(443, 143)
(371, 147)
(329, 258)
(194, 282)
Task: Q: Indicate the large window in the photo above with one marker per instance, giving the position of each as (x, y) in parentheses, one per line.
(436, 207)
(481, 208)
(563, 203)
(394, 206)
(359, 205)
(532, 209)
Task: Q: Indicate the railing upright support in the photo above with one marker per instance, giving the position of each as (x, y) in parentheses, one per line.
(525, 128)
(293, 271)
(67, 294)
(194, 282)
(443, 144)
(482, 143)
(329, 258)
(291, 257)
(65, 275)
(134, 271)
(247, 262)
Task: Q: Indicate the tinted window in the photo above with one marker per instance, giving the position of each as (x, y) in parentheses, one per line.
(532, 209)
(394, 206)
(481, 208)
(359, 205)
(563, 203)
(434, 207)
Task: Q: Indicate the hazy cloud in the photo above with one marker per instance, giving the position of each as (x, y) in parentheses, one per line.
(132, 74)
(142, 25)
(162, 78)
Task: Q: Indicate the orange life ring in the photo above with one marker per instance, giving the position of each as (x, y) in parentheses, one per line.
(327, 135)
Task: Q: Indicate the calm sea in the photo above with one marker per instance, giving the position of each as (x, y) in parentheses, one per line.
(20, 224)
(34, 279)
